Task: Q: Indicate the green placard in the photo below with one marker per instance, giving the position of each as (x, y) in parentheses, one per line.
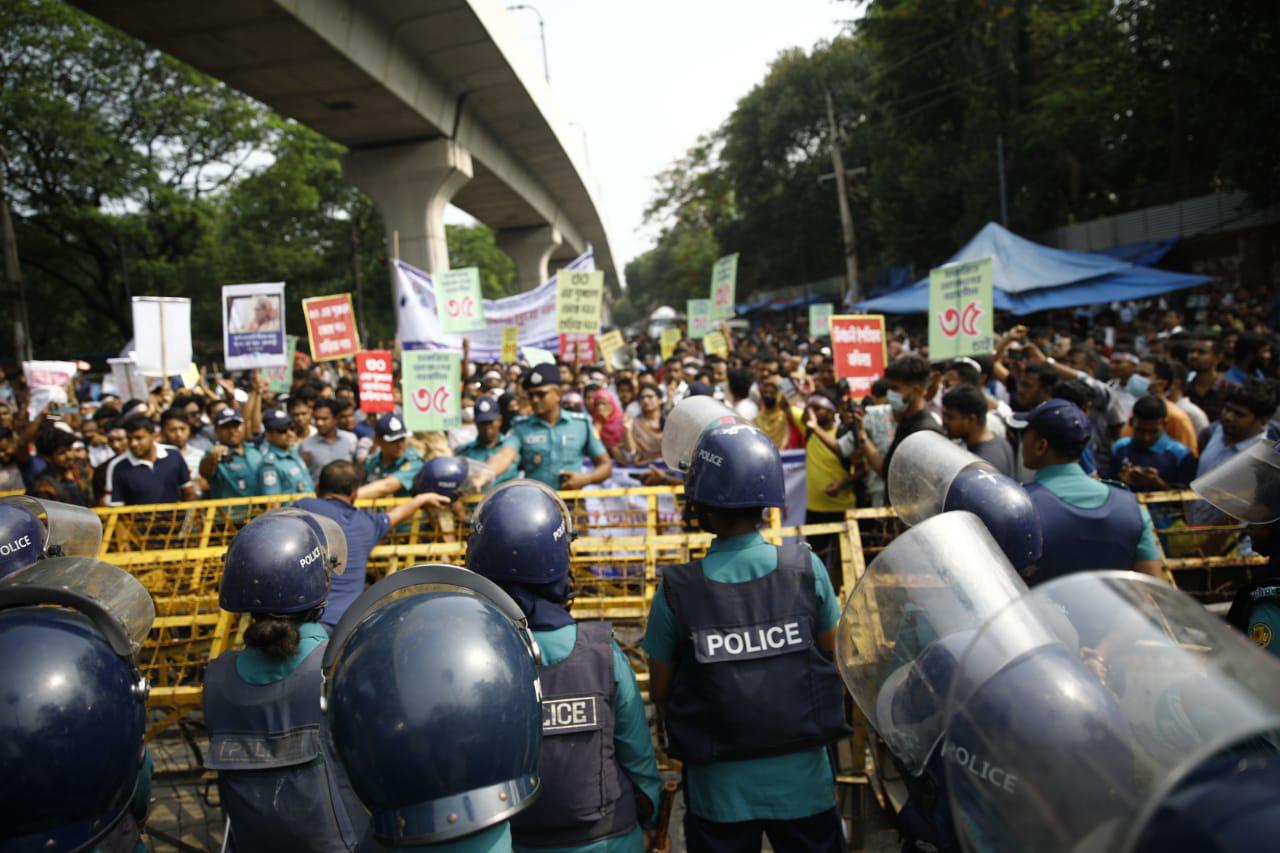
(699, 318)
(820, 319)
(724, 284)
(458, 300)
(961, 310)
(579, 299)
(281, 377)
(432, 383)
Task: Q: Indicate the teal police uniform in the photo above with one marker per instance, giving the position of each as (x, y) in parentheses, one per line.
(781, 787)
(477, 451)
(543, 450)
(403, 469)
(632, 744)
(283, 472)
(237, 473)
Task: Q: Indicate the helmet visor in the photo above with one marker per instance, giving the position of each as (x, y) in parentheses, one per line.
(70, 531)
(685, 425)
(1247, 486)
(921, 472)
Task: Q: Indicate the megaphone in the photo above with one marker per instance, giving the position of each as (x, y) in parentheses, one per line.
(623, 357)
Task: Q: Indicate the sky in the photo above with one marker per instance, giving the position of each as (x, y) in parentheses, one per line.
(644, 79)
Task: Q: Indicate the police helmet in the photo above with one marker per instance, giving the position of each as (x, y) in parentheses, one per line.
(736, 467)
(75, 703)
(33, 528)
(434, 706)
(1004, 507)
(281, 562)
(521, 532)
(443, 475)
(912, 703)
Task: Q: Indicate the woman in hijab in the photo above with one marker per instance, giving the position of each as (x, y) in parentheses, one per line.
(606, 414)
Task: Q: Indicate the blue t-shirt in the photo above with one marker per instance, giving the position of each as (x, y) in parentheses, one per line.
(364, 530)
(1172, 460)
(131, 481)
(780, 787)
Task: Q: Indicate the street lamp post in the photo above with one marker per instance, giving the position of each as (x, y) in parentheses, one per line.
(542, 36)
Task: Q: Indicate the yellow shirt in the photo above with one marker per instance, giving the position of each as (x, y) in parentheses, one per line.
(822, 467)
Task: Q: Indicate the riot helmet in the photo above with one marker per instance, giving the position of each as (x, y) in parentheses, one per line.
(433, 705)
(520, 533)
(736, 467)
(32, 529)
(442, 475)
(75, 708)
(685, 425)
(281, 562)
(1247, 486)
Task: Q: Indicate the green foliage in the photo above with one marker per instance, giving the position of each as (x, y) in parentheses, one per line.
(474, 246)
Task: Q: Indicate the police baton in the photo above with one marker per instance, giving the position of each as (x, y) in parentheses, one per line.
(661, 842)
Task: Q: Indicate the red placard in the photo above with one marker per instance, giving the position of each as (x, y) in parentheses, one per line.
(331, 327)
(578, 349)
(376, 381)
(858, 347)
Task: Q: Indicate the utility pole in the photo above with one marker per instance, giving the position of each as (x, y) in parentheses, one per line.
(542, 36)
(13, 274)
(1004, 205)
(842, 194)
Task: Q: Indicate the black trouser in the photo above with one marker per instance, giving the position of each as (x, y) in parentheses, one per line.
(820, 832)
(827, 545)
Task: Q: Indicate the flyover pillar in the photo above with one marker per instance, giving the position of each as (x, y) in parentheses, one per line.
(531, 249)
(412, 185)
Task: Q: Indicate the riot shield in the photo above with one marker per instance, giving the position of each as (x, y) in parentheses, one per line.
(685, 425)
(921, 472)
(910, 617)
(70, 531)
(1066, 746)
(1246, 486)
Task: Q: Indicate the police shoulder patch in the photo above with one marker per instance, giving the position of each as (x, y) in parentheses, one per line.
(1260, 633)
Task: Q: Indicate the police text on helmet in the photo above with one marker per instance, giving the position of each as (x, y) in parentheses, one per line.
(18, 544)
(308, 559)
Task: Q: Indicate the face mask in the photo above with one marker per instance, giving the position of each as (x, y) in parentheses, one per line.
(769, 400)
(468, 413)
(896, 401)
(1138, 385)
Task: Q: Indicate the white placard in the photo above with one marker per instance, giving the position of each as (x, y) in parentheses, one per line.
(161, 335)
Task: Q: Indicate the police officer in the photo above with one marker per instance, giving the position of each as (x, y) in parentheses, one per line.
(488, 441)
(231, 466)
(739, 647)
(34, 529)
(283, 472)
(598, 769)
(432, 701)
(74, 773)
(1086, 524)
(262, 705)
(549, 445)
(391, 469)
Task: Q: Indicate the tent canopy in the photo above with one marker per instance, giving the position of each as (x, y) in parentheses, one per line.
(1028, 277)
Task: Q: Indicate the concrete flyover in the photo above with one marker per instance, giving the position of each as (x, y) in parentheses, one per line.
(437, 101)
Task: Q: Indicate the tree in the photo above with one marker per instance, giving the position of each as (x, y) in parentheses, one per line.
(474, 246)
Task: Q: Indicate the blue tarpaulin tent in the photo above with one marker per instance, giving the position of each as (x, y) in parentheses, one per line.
(1028, 277)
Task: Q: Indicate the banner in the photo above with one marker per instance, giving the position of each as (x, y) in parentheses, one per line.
(253, 325)
(48, 383)
(374, 374)
(820, 319)
(668, 342)
(161, 335)
(534, 312)
(608, 343)
(699, 318)
(460, 304)
(280, 378)
(510, 344)
(431, 383)
(331, 327)
(579, 302)
(724, 285)
(578, 349)
(715, 344)
(960, 310)
(858, 349)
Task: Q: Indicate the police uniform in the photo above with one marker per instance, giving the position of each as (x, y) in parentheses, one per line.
(544, 450)
(486, 411)
(283, 472)
(237, 473)
(403, 469)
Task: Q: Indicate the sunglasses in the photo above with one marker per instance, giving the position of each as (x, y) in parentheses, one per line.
(538, 395)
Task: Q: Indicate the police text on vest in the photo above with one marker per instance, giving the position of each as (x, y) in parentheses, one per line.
(568, 714)
(715, 645)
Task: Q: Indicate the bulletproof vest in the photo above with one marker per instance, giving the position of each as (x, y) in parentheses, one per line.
(1077, 540)
(585, 794)
(750, 680)
(280, 786)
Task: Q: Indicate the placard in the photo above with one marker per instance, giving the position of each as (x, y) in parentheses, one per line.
(253, 326)
(510, 345)
(819, 319)
(699, 318)
(607, 344)
(668, 342)
(280, 378)
(375, 376)
(431, 383)
(161, 335)
(48, 383)
(537, 355)
(724, 285)
(858, 349)
(458, 300)
(579, 300)
(128, 381)
(578, 349)
(960, 310)
(715, 344)
(331, 327)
